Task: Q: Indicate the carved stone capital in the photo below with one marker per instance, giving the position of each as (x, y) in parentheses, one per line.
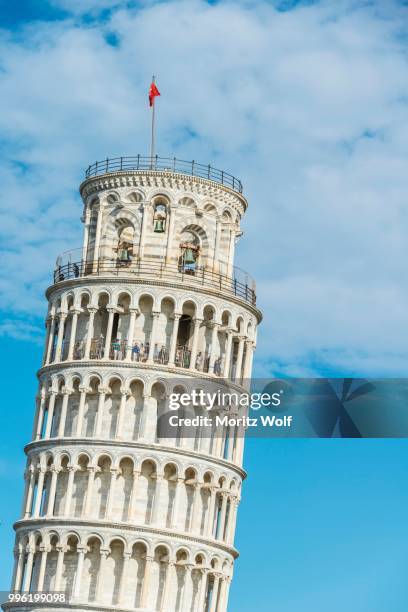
(83, 389)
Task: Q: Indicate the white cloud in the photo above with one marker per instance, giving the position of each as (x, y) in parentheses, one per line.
(308, 107)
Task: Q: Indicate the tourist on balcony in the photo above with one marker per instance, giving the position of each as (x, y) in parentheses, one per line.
(100, 343)
(217, 366)
(178, 357)
(163, 354)
(144, 351)
(136, 352)
(199, 361)
(79, 349)
(116, 348)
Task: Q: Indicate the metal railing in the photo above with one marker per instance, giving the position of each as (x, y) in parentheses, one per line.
(139, 352)
(157, 270)
(165, 164)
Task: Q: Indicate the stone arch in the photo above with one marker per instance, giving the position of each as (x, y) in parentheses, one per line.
(210, 208)
(111, 197)
(101, 485)
(188, 202)
(194, 237)
(122, 487)
(135, 196)
(147, 488)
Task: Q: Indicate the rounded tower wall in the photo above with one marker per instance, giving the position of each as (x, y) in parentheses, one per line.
(117, 513)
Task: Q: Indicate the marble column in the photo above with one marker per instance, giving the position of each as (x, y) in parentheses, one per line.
(103, 392)
(238, 371)
(28, 569)
(87, 508)
(211, 512)
(72, 337)
(67, 505)
(104, 552)
(133, 495)
(86, 220)
(195, 508)
(221, 526)
(40, 416)
(47, 339)
(38, 499)
(173, 344)
(43, 564)
(30, 492)
(194, 347)
(146, 582)
(64, 407)
(203, 590)
(81, 410)
(156, 499)
(214, 597)
(169, 246)
(50, 413)
(108, 340)
(176, 503)
(213, 355)
(18, 572)
(123, 577)
(97, 239)
(53, 488)
(125, 393)
(155, 318)
(133, 314)
(167, 587)
(90, 331)
(145, 220)
(58, 350)
(111, 493)
(228, 353)
(248, 359)
(50, 339)
(78, 576)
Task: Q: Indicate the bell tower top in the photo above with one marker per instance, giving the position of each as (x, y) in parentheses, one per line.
(183, 214)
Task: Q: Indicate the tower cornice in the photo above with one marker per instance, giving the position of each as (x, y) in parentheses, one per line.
(134, 446)
(131, 279)
(165, 180)
(126, 528)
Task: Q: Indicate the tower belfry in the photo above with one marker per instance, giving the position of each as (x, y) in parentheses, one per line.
(114, 516)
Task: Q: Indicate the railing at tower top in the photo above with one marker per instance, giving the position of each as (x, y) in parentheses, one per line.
(240, 284)
(164, 164)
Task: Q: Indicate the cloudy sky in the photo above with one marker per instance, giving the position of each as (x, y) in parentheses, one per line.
(306, 102)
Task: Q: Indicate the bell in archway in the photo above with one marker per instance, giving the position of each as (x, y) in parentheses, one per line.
(189, 256)
(124, 255)
(159, 225)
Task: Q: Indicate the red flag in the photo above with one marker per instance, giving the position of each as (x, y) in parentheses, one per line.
(153, 92)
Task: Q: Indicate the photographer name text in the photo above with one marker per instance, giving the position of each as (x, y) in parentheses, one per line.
(229, 421)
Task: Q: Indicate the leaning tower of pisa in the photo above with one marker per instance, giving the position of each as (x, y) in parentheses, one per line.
(114, 516)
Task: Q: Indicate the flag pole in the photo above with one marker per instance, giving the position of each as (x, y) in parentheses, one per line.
(153, 128)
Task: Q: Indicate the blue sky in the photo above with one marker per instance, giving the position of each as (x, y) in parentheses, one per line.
(307, 103)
